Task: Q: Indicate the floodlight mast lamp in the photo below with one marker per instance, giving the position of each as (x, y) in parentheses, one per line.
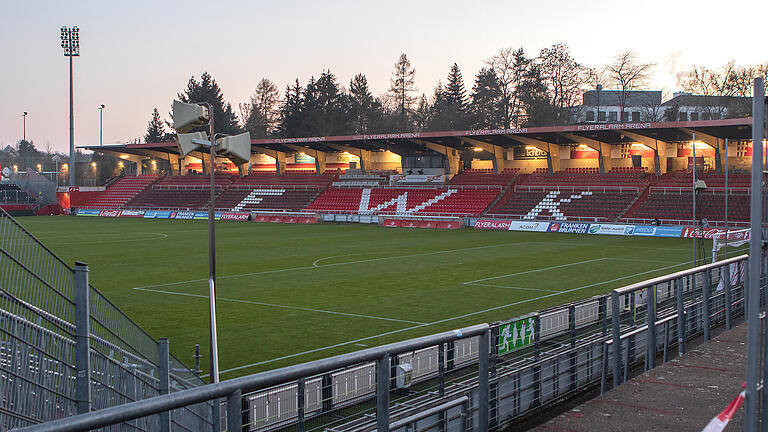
(70, 42)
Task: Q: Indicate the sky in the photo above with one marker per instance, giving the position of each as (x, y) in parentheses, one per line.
(137, 55)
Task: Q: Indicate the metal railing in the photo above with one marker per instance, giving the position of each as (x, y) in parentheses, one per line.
(578, 188)
(570, 348)
(65, 348)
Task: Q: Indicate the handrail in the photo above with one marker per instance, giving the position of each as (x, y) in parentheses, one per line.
(682, 273)
(426, 413)
(158, 404)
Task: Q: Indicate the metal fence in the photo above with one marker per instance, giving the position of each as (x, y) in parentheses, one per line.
(470, 379)
(52, 366)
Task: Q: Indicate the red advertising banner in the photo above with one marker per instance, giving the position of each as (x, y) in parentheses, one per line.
(109, 213)
(583, 152)
(706, 233)
(410, 223)
(686, 150)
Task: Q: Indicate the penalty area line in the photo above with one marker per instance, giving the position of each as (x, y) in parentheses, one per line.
(281, 306)
(444, 320)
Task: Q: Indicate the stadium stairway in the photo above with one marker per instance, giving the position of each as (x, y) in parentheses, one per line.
(121, 192)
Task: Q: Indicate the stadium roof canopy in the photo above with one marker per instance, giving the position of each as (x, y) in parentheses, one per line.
(418, 142)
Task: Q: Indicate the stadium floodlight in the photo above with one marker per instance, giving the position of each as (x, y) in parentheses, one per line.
(187, 116)
(237, 148)
(70, 42)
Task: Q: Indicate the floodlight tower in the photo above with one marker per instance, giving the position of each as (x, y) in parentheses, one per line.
(70, 42)
(24, 126)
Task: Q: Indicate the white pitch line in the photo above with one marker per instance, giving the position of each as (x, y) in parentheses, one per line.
(511, 287)
(282, 306)
(383, 259)
(442, 320)
(472, 282)
(336, 264)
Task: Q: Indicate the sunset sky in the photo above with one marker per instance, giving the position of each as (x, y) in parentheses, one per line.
(136, 55)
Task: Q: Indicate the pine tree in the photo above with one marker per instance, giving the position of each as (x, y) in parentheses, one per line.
(402, 87)
(155, 129)
(291, 111)
(454, 90)
(486, 107)
(207, 90)
(364, 110)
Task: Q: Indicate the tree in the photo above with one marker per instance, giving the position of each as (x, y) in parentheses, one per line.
(422, 116)
(564, 78)
(262, 114)
(486, 110)
(365, 111)
(155, 129)
(450, 103)
(402, 86)
(628, 74)
(207, 90)
(535, 99)
(291, 111)
(511, 68)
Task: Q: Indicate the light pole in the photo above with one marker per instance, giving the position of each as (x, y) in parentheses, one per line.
(101, 127)
(598, 88)
(24, 126)
(70, 42)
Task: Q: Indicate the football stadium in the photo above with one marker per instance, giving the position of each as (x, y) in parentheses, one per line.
(539, 253)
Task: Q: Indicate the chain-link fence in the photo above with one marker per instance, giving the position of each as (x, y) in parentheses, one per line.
(38, 348)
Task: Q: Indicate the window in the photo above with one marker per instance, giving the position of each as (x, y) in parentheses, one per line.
(590, 116)
(635, 116)
(683, 116)
(694, 116)
(624, 116)
(601, 116)
(612, 116)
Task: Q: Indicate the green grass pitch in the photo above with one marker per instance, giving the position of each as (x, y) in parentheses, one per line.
(293, 293)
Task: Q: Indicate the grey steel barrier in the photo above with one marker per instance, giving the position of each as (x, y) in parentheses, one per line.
(687, 302)
(43, 349)
(234, 388)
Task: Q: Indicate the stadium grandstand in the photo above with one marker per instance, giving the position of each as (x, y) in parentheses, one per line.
(625, 172)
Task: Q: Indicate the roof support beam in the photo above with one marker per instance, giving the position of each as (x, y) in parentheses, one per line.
(452, 155)
(364, 155)
(710, 140)
(552, 150)
(658, 146)
(317, 154)
(496, 151)
(603, 160)
(277, 155)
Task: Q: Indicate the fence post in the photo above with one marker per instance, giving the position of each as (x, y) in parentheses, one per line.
(483, 382)
(726, 270)
(537, 358)
(602, 312)
(300, 403)
(616, 333)
(234, 411)
(572, 331)
(680, 297)
(382, 393)
(82, 339)
(165, 381)
(327, 392)
(493, 386)
(705, 293)
(441, 369)
(650, 339)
